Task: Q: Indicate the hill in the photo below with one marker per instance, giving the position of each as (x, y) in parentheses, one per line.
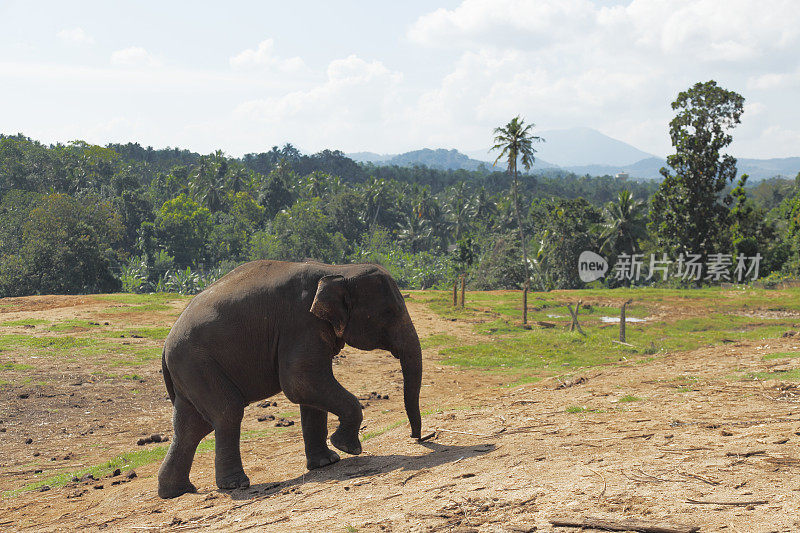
(439, 158)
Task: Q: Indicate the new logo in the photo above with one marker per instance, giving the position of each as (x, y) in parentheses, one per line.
(591, 266)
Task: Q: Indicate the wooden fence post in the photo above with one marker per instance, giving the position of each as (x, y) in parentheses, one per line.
(463, 283)
(455, 293)
(622, 321)
(574, 315)
(525, 303)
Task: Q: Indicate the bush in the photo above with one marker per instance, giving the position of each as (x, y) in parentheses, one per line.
(66, 248)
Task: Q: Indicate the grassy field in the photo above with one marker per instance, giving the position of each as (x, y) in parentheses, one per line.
(665, 321)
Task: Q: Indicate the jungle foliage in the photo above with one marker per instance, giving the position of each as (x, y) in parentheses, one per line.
(78, 218)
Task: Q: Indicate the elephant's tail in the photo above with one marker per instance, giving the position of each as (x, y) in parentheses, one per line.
(167, 377)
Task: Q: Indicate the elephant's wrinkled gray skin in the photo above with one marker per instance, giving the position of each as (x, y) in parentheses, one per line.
(272, 326)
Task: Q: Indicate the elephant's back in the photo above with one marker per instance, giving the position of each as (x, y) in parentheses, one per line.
(247, 305)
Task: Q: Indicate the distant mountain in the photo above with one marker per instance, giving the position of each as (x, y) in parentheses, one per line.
(439, 158)
(578, 150)
(645, 168)
(369, 157)
(586, 146)
(757, 169)
(578, 147)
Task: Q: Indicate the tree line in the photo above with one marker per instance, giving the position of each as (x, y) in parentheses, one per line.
(81, 218)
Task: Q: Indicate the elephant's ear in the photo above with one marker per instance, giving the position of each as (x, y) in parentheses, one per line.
(332, 302)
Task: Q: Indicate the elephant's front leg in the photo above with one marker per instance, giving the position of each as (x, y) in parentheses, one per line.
(309, 381)
(315, 436)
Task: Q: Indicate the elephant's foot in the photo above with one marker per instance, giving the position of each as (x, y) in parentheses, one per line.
(235, 480)
(173, 490)
(347, 443)
(318, 460)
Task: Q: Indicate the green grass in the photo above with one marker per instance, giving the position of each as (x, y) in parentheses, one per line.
(783, 375)
(133, 299)
(539, 351)
(69, 325)
(24, 322)
(781, 355)
(88, 351)
(18, 367)
(629, 398)
(142, 308)
(575, 409)
(438, 340)
(44, 344)
(378, 432)
(148, 332)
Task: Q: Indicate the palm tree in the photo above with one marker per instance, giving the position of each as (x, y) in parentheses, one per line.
(414, 232)
(485, 208)
(212, 197)
(623, 225)
(459, 210)
(514, 141)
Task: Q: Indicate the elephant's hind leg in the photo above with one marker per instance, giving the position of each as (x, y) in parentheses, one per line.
(190, 428)
(315, 435)
(220, 403)
(228, 458)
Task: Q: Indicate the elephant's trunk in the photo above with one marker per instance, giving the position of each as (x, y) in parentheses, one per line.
(409, 352)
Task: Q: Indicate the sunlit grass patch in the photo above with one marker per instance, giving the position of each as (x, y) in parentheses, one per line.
(131, 298)
(24, 322)
(18, 367)
(375, 433)
(149, 332)
(544, 350)
(80, 349)
(141, 308)
(629, 398)
(783, 375)
(74, 324)
(44, 344)
(438, 340)
(781, 355)
(135, 356)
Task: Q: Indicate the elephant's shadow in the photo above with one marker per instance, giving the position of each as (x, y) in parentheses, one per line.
(366, 465)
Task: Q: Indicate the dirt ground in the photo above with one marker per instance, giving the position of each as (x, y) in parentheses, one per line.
(695, 445)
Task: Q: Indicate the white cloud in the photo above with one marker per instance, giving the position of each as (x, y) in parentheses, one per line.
(480, 22)
(737, 30)
(134, 56)
(264, 56)
(75, 36)
(356, 101)
(774, 80)
(565, 63)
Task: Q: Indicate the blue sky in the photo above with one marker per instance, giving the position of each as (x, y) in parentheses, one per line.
(390, 76)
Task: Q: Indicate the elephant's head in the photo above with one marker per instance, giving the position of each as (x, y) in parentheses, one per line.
(367, 311)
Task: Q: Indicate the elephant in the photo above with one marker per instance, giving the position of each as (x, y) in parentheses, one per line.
(272, 326)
